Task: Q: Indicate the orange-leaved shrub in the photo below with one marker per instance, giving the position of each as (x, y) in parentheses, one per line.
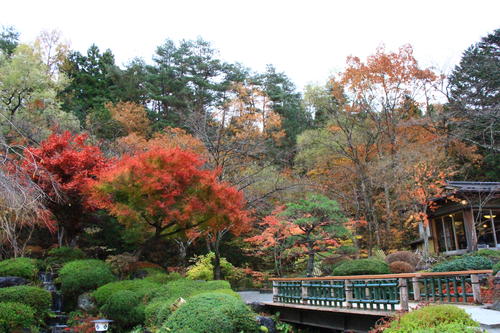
(401, 267)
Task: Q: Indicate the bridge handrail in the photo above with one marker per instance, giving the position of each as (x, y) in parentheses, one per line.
(385, 276)
(381, 289)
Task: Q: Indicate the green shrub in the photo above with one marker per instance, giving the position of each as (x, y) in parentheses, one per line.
(435, 318)
(465, 263)
(157, 312)
(125, 308)
(138, 287)
(361, 267)
(496, 268)
(37, 298)
(61, 255)
(15, 316)
(21, 267)
(485, 253)
(77, 277)
(204, 270)
(212, 313)
(163, 278)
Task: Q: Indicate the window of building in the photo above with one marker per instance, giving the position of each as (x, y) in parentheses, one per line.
(488, 227)
(451, 232)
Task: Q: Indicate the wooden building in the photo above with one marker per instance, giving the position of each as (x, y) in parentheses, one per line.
(467, 218)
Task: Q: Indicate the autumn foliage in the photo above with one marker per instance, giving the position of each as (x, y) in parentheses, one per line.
(63, 164)
(167, 191)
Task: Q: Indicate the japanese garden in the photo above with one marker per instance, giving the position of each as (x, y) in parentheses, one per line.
(187, 193)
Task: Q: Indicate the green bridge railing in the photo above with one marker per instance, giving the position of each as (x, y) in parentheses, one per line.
(387, 292)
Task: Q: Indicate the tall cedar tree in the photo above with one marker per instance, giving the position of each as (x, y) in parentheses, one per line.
(165, 192)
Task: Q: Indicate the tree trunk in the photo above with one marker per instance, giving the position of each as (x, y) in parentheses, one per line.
(216, 264)
(310, 259)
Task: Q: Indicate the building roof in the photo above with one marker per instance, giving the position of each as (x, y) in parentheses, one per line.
(473, 186)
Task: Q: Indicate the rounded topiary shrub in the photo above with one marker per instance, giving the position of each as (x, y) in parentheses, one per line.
(125, 308)
(21, 267)
(138, 287)
(212, 313)
(397, 267)
(405, 256)
(15, 316)
(361, 267)
(434, 318)
(37, 298)
(77, 277)
(465, 263)
(61, 255)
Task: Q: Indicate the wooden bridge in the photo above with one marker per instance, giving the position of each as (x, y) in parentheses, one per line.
(355, 303)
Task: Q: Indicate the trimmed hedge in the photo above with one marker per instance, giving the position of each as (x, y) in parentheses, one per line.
(64, 254)
(125, 308)
(157, 312)
(14, 316)
(465, 263)
(435, 318)
(77, 277)
(21, 267)
(138, 287)
(38, 299)
(212, 313)
(185, 288)
(361, 267)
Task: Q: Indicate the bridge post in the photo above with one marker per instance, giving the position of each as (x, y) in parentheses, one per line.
(403, 294)
(476, 288)
(304, 293)
(275, 291)
(348, 293)
(416, 288)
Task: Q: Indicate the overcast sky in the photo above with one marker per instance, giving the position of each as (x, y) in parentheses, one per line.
(307, 40)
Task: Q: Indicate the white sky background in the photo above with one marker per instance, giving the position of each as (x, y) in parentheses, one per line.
(307, 40)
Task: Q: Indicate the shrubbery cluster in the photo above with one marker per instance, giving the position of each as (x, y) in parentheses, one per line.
(15, 316)
(464, 263)
(79, 276)
(21, 267)
(36, 298)
(434, 319)
(212, 313)
(61, 255)
(361, 267)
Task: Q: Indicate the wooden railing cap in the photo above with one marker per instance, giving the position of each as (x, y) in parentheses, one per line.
(385, 276)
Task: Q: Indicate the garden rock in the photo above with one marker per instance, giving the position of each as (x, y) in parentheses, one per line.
(267, 323)
(86, 303)
(11, 281)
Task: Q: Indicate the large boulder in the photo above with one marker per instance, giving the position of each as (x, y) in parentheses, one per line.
(86, 303)
(11, 281)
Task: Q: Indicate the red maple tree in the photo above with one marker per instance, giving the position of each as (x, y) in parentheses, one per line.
(164, 192)
(62, 166)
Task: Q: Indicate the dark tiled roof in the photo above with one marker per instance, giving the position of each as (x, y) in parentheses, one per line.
(473, 186)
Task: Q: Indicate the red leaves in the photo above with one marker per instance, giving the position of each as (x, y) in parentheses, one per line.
(169, 191)
(65, 161)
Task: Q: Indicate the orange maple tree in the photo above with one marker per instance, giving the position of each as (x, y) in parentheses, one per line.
(274, 231)
(164, 192)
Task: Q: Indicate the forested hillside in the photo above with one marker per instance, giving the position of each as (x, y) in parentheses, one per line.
(173, 157)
